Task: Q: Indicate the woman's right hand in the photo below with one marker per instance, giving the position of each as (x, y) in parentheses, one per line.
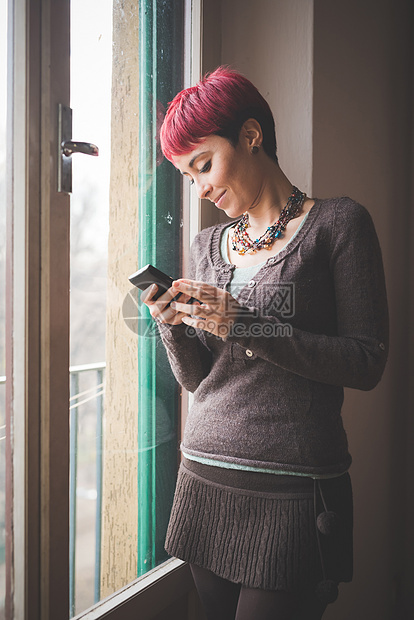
(158, 307)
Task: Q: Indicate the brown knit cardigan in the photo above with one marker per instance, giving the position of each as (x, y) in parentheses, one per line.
(314, 321)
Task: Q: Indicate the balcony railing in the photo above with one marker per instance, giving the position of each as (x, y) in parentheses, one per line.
(86, 414)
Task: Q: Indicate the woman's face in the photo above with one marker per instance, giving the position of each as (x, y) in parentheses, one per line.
(228, 176)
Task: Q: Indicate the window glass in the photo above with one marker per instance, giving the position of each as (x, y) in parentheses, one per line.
(126, 65)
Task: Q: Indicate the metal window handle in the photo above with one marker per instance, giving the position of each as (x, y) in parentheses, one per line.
(66, 147)
(69, 147)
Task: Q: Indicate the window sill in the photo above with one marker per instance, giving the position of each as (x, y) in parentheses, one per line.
(149, 594)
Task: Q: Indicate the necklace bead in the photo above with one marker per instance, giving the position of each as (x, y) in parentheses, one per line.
(241, 241)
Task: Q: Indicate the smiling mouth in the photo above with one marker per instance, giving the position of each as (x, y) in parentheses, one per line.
(220, 199)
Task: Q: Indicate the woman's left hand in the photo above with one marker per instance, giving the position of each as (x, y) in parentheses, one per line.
(218, 309)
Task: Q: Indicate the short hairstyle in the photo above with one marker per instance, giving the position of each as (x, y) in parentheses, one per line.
(219, 104)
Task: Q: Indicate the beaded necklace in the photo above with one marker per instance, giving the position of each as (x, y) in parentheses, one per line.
(243, 244)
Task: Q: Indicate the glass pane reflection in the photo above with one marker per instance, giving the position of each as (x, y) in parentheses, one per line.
(126, 65)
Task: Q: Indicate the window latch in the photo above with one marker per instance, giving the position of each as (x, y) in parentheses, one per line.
(66, 147)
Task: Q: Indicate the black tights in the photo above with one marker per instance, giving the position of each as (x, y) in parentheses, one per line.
(224, 600)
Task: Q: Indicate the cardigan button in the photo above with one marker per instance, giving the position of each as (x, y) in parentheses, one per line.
(251, 284)
(249, 353)
(382, 346)
(271, 261)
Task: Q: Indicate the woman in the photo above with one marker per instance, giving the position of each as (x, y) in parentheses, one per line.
(291, 307)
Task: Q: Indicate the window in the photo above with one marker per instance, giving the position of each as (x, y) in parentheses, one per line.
(125, 213)
(96, 477)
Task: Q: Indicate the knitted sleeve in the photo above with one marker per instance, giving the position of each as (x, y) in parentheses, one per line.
(189, 358)
(355, 357)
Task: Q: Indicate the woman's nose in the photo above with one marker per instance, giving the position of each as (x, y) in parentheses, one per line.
(203, 189)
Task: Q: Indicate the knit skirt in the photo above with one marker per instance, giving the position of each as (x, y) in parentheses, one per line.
(261, 530)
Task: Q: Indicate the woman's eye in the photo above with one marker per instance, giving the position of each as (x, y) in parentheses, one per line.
(206, 167)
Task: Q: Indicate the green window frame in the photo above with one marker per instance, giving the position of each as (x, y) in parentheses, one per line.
(160, 241)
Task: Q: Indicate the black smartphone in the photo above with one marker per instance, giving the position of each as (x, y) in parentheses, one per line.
(144, 277)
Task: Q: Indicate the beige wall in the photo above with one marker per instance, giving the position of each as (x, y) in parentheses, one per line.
(362, 119)
(338, 78)
(271, 43)
(120, 452)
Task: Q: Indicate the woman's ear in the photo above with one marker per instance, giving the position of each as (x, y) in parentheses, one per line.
(251, 133)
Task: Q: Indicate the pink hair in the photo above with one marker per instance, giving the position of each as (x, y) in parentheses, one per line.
(219, 104)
